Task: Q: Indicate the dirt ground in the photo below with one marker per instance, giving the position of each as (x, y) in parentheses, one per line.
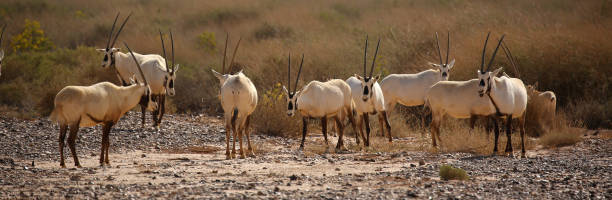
(186, 159)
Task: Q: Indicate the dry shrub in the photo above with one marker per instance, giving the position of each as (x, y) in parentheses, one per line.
(456, 136)
(448, 172)
(270, 117)
(565, 133)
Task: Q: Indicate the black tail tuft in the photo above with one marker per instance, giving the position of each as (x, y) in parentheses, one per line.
(234, 116)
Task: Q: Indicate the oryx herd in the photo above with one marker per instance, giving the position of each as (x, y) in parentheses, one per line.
(147, 79)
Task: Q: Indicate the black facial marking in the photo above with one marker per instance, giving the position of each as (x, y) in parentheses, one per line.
(482, 83)
(290, 106)
(444, 74)
(171, 85)
(366, 91)
(105, 57)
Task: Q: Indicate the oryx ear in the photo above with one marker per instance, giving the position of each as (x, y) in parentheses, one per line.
(115, 50)
(101, 50)
(377, 77)
(1, 54)
(285, 90)
(358, 77)
(451, 64)
(217, 74)
(176, 67)
(434, 65)
(133, 80)
(494, 74)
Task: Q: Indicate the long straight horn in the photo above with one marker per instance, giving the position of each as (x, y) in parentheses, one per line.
(511, 59)
(172, 44)
(234, 56)
(161, 37)
(365, 55)
(137, 64)
(495, 52)
(297, 79)
(225, 53)
(374, 60)
(289, 74)
(484, 50)
(438, 45)
(120, 28)
(447, 46)
(110, 35)
(2, 34)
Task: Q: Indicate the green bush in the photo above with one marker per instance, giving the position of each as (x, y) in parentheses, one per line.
(32, 38)
(448, 172)
(207, 41)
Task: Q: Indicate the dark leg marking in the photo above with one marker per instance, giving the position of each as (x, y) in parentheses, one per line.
(62, 137)
(304, 130)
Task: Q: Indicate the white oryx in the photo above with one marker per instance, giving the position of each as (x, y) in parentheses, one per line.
(368, 99)
(508, 95)
(154, 66)
(410, 89)
(458, 100)
(238, 98)
(101, 103)
(319, 100)
(1, 50)
(542, 105)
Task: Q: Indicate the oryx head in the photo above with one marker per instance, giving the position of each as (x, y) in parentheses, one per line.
(146, 98)
(109, 51)
(485, 76)
(444, 67)
(224, 75)
(1, 50)
(292, 96)
(367, 82)
(170, 72)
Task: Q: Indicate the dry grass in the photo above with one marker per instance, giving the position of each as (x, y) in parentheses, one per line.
(564, 134)
(331, 36)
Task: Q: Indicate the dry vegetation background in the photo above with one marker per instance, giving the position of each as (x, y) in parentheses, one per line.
(565, 45)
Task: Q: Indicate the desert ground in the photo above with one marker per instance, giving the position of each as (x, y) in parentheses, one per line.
(185, 158)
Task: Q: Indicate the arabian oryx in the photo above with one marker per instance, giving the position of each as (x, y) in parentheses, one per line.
(458, 100)
(368, 99)
(154, 66)
(1, 50)
(508, 95)
(410, 89)
(319, 100)
(101, 103)
(542, 105)
(238, 98)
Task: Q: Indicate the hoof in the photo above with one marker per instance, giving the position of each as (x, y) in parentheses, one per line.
(301, 148)
(242, 156)
(62, 166)
(78, 166)
(228, 157)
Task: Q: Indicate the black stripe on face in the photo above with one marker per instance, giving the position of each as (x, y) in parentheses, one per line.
(366, 91)
(171, 85)
(290, 106)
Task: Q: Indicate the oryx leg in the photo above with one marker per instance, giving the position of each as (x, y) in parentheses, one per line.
(155, 113)
(143, 110)
(250, 152)
(383, 114)
(496, 132)
(105, 143)
(234, 135)
(62, 137)
(239, 133)
(74, 129)
(351, 117)
(522, 130)
(359, 131)
(366, 121)
(509, 135)
(324, 130)
(340, 143)
(162, 108)
(228, 130)
(434, 127)
(304, 130)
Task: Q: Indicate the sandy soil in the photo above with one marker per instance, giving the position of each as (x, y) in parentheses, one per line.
(186, 159)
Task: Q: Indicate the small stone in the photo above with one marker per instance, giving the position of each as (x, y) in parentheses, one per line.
(293, 177)
(421, 162)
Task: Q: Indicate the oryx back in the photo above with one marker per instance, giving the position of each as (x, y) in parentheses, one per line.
(238, 92)
(459, 99)
(413, 87)
(319, 99)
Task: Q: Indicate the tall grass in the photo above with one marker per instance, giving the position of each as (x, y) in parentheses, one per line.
(563, 44)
